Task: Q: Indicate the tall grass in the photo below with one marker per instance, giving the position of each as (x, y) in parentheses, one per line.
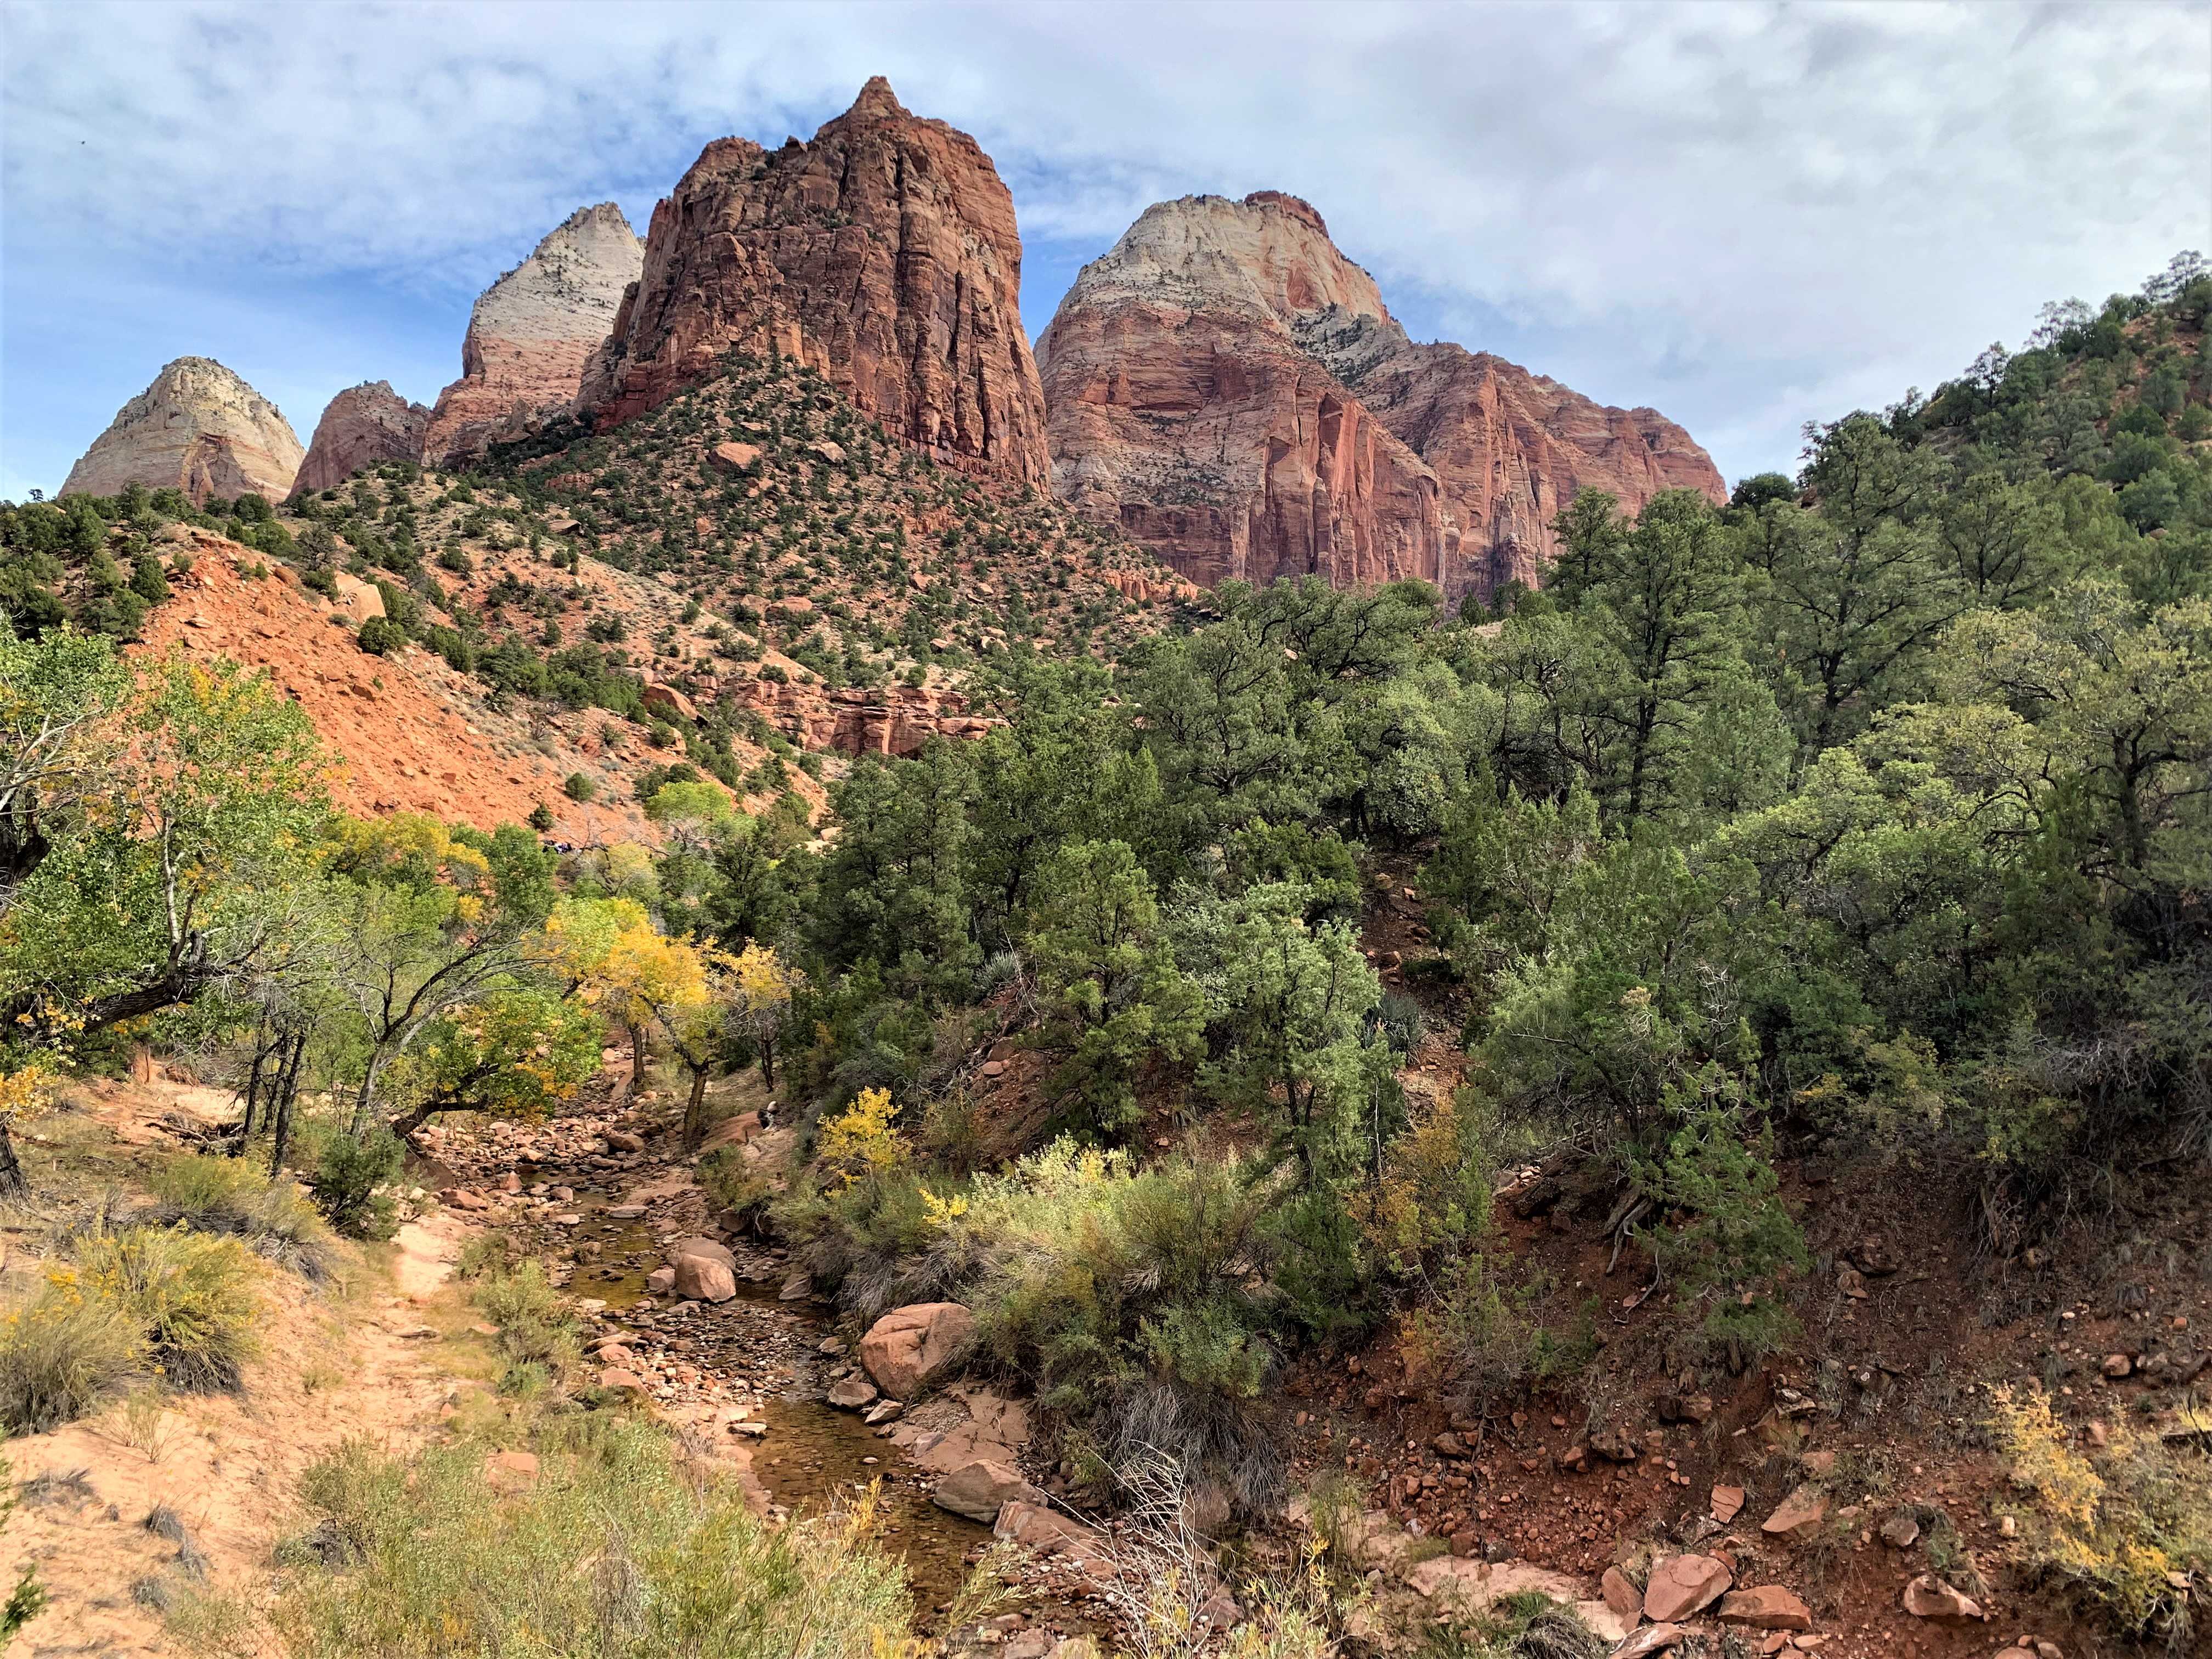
(619, 1551)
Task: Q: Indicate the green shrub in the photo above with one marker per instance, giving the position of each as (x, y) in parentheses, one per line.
(581, 786)
(231, 1196)
(381, 636)
(194, 1297)
(63, 1355)
(618, 1551)
(533, 1328)
(347, 1184)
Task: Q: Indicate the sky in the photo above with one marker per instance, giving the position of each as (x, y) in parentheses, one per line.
(1747, 215)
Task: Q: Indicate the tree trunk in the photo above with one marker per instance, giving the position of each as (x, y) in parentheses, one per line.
(261, 1047)
(694, 1110)
(636, 1060)
(287, 1091)
(366, 1098)
(12, 1183)
(767, 1063)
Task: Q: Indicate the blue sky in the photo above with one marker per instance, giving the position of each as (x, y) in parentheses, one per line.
(1746, 214)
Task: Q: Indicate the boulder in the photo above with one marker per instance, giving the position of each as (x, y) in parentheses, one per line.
(1474, 1586)
(702, 1247)
(1684, 1585)
(1767, 1606)
(1929, 1597)
(911, 1348)
(660, 1281)
(852, 1392)
(702, 1278)
(980, 1490)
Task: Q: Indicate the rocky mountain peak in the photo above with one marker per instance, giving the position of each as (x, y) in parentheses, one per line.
(881, 253)
(531, 332)
(1226, 385)
(363, 426)
(199, 429)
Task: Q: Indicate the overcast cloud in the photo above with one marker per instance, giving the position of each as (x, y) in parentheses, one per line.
(1746, 214)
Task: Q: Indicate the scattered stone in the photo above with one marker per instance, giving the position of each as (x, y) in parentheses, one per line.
(1768, 1607)
(1852, 1283)
(1900, 1531)
(2118, 1366)
(660, 1281)
(853, 1393)
(883, 1411)
(626, 1213)
(1449, 1444)
(616, 1378)
(1874, 1258)
(1621, 1594)
(510, 1471)
(1798, 1516)
(1727, 1503)
(755, 1431)
(1929, 1597)
(1683, 1408)
(1652, 1638)
(796, 1287)
(1614, 1445)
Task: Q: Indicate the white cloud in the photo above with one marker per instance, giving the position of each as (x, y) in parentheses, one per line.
(1746, 214)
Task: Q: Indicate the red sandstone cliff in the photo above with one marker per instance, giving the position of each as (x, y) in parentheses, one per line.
(530, 334)
(883, 253)
(1229, 389)
(363, 427)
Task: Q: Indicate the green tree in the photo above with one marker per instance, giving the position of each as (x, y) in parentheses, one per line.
(1115, 999)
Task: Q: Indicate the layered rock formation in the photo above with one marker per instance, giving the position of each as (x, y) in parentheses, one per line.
(883, 253)
(363, 426)
(198, 428)
(1229, 389)
(530, 334)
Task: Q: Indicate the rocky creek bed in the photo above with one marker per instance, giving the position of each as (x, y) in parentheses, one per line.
(748, 1378)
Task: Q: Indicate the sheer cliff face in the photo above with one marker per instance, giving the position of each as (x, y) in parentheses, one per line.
(882, 253)
(1231, 389)
(198, 428)
(363, 426)
(530, 334)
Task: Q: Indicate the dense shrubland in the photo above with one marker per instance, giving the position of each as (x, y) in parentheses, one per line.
(1866, 811)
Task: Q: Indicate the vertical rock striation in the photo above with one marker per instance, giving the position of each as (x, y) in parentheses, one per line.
(363, 426)
(1230, 390)
(881, 253)
(198, 428)
(530, 334)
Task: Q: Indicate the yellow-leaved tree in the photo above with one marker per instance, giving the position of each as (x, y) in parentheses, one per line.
(760, 1010)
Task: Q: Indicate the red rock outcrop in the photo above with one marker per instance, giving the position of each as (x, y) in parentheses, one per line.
(363, 427)
(1230, 390)
(881, 253)
(198, 428)
(530, 334)
(898, 720)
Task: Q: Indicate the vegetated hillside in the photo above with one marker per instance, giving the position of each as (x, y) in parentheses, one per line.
(764, 494)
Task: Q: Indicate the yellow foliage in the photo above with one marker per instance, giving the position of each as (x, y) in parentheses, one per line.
(2128, 1524)
(23, 1090)
(1431, 1193)
(942, 1211)
(763, 982)
(860, 1141)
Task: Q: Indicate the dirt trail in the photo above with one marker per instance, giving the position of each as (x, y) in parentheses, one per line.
(366, 1356)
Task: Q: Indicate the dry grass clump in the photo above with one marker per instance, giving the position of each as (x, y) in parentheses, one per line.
(230, 1195)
